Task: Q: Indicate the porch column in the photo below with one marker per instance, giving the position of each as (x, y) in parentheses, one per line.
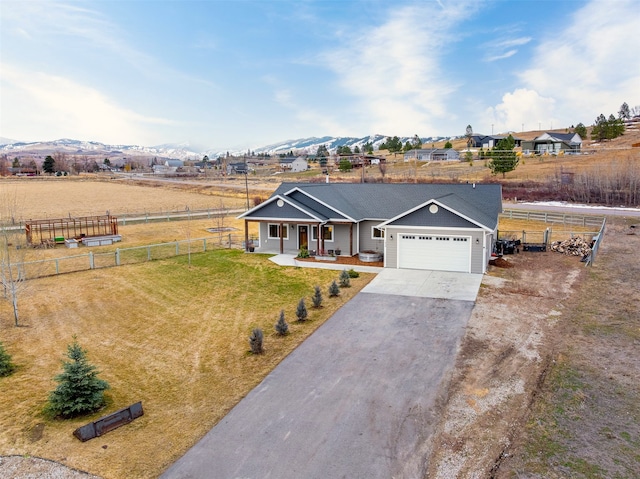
(321, 234)
(319, 251)
(246, 235)
(281, 238)
(351, 237)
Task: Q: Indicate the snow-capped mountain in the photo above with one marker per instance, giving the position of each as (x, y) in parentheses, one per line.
(94, 148)
(119, 153)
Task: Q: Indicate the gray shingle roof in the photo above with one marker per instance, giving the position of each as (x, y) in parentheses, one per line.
(361, 201)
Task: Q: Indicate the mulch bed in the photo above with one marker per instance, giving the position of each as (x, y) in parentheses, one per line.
(500, 263)
(346, 260)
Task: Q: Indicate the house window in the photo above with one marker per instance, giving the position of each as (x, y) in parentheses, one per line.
(273, 231)
(377, 233)
(327, 233)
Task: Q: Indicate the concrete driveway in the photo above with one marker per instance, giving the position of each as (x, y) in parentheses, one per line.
(426, 284)
(357, 399)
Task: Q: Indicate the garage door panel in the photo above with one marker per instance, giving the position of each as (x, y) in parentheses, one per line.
(436, 252)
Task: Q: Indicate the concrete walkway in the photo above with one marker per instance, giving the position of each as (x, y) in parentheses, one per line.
(290, 260)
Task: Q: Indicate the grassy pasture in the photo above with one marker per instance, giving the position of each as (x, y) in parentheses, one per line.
(173, 336)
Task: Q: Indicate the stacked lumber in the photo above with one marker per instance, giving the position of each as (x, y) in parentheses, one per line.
(573, 246)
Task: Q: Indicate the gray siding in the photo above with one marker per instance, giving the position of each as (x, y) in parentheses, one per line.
(443, 218)
(286, 212)
(366, 241)
(272, 245)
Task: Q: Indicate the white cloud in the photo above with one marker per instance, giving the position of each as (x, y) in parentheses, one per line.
(395, 70)
(502, 56)
(64, 108)
(522, 109)
(503, 48)
(591, 66)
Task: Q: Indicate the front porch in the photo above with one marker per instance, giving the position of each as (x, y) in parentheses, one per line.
(320, 239)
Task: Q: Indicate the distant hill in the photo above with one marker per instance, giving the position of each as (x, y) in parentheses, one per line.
(97, 151)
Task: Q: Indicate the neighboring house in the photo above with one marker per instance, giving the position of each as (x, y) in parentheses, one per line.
(170, 166)
(294, 164)
(489, 141)
(553, 143)
(432, 154)
(417, 226)
(237, 169)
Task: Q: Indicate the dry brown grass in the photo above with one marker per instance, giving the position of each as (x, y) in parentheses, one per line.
(165, 333)
(61, 197)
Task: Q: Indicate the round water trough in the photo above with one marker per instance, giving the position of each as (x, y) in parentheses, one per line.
(370, 256)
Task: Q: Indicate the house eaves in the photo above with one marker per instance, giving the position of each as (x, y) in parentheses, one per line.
(294, 204)
(342, 215)
(444, 202)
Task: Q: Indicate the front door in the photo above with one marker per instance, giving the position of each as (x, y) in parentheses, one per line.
(303, 236)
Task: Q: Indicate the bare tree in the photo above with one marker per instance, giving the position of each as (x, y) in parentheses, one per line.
(61, 161)
(12, 250)
(220, 217)
(382, 166)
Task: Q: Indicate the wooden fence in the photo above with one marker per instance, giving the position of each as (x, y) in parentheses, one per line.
(554, 218)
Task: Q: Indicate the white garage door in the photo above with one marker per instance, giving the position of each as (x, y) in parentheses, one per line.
(442, 253)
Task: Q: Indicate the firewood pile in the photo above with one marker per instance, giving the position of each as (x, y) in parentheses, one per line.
(573, 246)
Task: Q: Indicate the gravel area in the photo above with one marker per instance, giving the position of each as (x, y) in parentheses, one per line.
(27, 467)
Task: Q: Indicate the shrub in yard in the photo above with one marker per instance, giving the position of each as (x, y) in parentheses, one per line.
(345, 281)
(353, 273)
(282, 327)
(255, 341)
(301, 310)
(6, 366)
(79, 390)
(317, 297)
(304, 253)
(334, 289)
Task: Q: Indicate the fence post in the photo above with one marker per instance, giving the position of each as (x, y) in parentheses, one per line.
(177, 248)
(204, 245)
(148, 253)
(117, 256)
(91, 263)
(57, 267)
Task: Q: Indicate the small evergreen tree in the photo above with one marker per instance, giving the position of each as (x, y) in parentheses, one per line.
(345, 165)
(282, 327)
(255, 341)
(301, 310)
(334, 289)
(317, 297)
(448, 144)
(503, 157)
(6, 366)
(79, 390)
(48, 166)
(581, 130)
(345, 280)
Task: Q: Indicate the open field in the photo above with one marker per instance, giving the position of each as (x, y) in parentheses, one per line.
(80, 196)
(165, 333)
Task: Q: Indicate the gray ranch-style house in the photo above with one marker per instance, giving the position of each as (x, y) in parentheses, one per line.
(554, 143)
(446, 227)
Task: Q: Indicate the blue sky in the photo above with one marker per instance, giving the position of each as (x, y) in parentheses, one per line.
(244, 74)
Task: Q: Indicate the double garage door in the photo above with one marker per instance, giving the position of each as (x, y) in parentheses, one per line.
(436, 252)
